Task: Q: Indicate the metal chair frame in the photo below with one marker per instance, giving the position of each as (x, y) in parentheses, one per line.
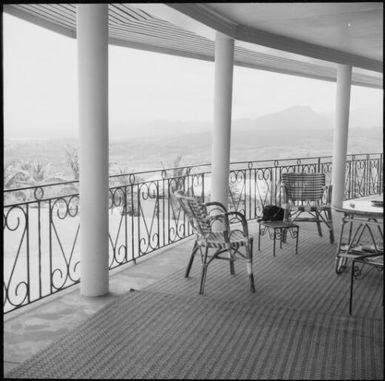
(226, 240)
(374, 261)
(307, 193)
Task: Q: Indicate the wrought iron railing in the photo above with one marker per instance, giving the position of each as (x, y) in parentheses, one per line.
(41, 223)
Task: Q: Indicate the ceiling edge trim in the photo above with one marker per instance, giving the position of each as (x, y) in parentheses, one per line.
(8, 8)
(292, 45)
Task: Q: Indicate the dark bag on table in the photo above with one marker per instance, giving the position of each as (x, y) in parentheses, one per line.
(272, 213)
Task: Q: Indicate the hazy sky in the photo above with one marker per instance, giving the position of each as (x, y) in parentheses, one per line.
(40, 86)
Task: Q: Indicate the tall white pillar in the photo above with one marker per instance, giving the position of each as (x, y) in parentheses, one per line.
(220, 156)
(340, 136)
(92, 35)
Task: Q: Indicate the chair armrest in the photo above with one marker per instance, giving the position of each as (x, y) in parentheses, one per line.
(243, 220)
(222, 217)
(219, 206)
(217, 212)
(284, 195)
(285, 203)
(328, 194)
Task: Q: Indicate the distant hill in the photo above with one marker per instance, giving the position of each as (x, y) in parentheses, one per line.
(292, 133)
(366, 118)
(293, 119)
(362, 118)
(158, 128)
(298, 132)
(297, 118)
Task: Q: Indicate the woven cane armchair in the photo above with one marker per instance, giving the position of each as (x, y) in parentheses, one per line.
(225, 242)
(305, 197)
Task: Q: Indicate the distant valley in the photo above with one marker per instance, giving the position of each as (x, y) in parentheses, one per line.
(296, 132)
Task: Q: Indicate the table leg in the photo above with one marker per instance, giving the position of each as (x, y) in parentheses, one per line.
(339, 260)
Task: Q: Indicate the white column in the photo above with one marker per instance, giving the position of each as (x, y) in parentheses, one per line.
(340, 138)
(220, 156)
(92, 35)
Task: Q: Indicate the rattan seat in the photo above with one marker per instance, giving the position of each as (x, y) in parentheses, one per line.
(218, 240)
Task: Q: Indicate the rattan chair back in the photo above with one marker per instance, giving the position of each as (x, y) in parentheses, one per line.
(196, 213)
(306, 197)
(304, 186)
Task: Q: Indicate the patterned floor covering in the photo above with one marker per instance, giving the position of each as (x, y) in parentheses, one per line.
(296, 325)
(305, 281)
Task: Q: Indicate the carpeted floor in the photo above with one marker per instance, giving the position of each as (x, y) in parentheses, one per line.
(305, 281)
(296, 326)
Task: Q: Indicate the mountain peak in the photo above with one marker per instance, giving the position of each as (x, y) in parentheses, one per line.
(299, 109)
(295, 117)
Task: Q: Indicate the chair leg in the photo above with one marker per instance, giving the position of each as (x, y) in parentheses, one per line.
(204, 273)
(230, 258)
(249, 265)
(351, 289)
(331, 234)
(232, 271)
(252, 286)
(328, 213)
(284, 236)
(203, 279)
(194, 250)
(318, 222)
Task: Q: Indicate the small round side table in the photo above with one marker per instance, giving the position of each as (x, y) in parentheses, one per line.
(277, 231)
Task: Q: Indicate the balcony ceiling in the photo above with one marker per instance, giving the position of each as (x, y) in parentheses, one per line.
(302, 39)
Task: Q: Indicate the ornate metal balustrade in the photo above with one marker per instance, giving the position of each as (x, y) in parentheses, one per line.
(41, 224)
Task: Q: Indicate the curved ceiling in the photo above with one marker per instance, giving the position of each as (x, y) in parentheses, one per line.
(354, 28)
(346, 33)
(161, 28)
